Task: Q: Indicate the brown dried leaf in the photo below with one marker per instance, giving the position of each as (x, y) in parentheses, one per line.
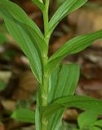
(59, 42)
(2, 127)
(70, 114)
(27, 86)
(8, 105)
(87, 20)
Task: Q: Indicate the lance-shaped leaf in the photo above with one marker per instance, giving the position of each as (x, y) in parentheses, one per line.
(86, 119)
(17, 13)
(95, 128)
(81, 102)
(24, 38)
(63, 82)
(98, 123)
(73, 46)
(59, 106)
(24, 115)
(55, 120)
(38, 110)
(67, 7)
(39, 3)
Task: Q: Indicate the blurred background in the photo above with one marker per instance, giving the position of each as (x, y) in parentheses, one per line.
(17, 84)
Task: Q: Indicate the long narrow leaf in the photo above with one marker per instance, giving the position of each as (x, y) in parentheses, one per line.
(63, 83)
(82, 102)
(55, 120)
(18, 14)
(38, 111)
(22, 36)
(86, 119)
(73, 46)
(98, 123)
(95, 128)
(39, 4)
(24, 115)
(67, 7)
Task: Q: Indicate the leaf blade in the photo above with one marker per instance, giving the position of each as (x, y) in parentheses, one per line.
(18, 14)
(81, 102)
(73, 46)
(39, 4)
(24, 115)
(66, 8)
(98, 123)
(62, 83)
(20, 34)
(86, 119)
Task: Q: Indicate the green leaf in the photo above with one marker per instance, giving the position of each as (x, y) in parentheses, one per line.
(24, 36)
(38, 111)
(98, 123)
(73, 46)
(62, 84)
(68, 126)
(55, 120)
(67, 7)
(39, 3)
(94, 128)
(24, 115)
(63, 81)
(18, 14)
(86, 119)
(20, 33)
(82, 102)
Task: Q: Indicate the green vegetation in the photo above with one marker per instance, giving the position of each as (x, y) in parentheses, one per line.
(57, 81)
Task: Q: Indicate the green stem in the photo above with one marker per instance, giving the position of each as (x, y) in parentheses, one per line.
(46, 21)
(45, 57)
(44, 87)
